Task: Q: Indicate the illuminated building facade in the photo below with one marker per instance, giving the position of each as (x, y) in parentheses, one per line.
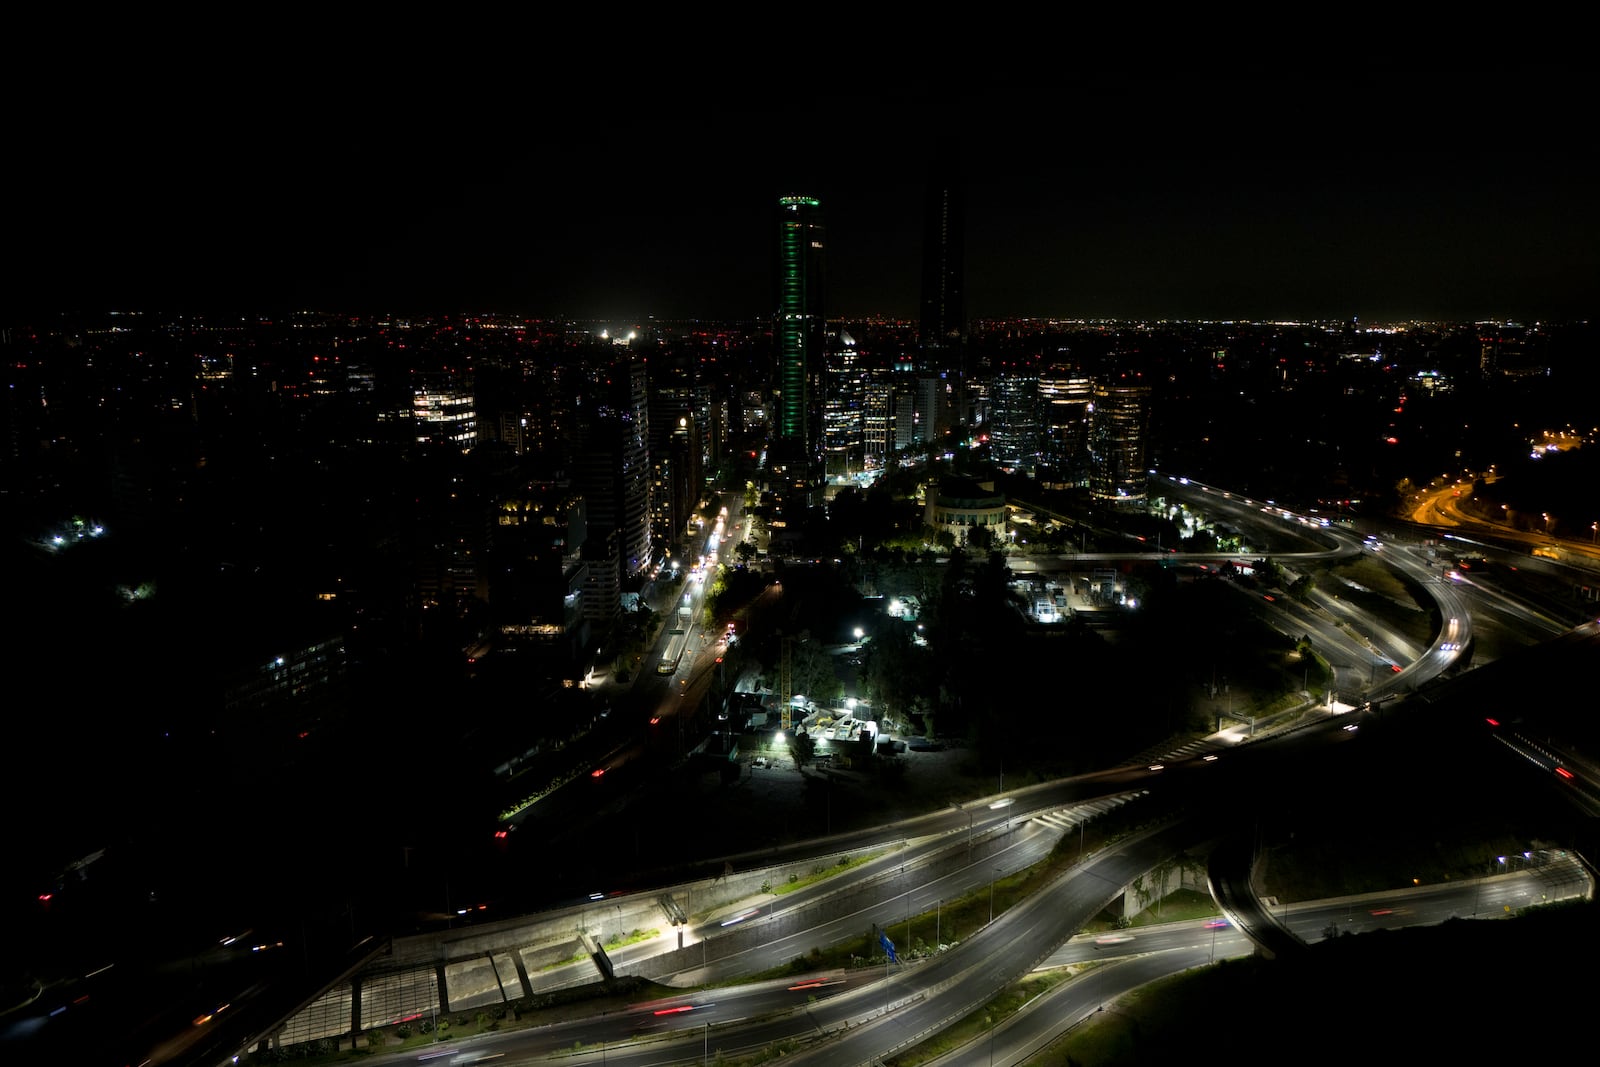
(1118, 425)
(959, 505)
(877, 420)
(307, 669)
(614, 462)
(799, 332)
(1013, 419)
(933, 408)
(537, 574)
(1066, 396)
(443, 410)
(845, 408)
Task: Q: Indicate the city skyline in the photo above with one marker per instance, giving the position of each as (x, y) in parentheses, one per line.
(1377, 195)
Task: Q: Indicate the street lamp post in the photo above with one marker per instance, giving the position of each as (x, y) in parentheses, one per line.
(908, 909)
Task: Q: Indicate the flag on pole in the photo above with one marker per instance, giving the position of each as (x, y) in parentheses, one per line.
(888, 946)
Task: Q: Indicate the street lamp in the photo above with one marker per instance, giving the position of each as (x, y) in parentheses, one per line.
(991, 894)
(908, 906)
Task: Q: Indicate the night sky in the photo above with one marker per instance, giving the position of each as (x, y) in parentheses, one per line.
(1376, 193)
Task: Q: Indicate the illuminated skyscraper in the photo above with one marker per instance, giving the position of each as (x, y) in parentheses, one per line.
(1013, 424)
(799, 331)
(842, 412)
(1117, 427)
(1067, 395)
(442, 406)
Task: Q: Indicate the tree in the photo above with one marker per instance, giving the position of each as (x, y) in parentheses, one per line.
(1161, 872)
(802, 748)
(811, 671)
(895, 671)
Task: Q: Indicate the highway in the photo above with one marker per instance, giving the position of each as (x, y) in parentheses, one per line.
(904, 1005)
(868, 1016)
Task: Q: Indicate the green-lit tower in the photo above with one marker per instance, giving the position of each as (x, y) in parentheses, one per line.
(799, 330)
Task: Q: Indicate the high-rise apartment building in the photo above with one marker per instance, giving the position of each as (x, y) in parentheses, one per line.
(679, 407)
(903, 424)
(933, 407)
(613, 458)
(1013, 422)
(799, 332)
(1117, 427)
(537, 572)
(877, 419)
(844, 409)
(1066, 396)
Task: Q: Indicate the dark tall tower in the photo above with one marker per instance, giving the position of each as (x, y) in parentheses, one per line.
(944, 265)
(943, 328)
(799, 332)
(613, 458)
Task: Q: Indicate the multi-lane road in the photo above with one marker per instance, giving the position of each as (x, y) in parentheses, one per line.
(905, 1006)
(870, 1014)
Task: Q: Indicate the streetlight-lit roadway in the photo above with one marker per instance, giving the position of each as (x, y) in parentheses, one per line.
(886, 1012)
(870, 1013)
(915, 1001)
(903, 1006)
